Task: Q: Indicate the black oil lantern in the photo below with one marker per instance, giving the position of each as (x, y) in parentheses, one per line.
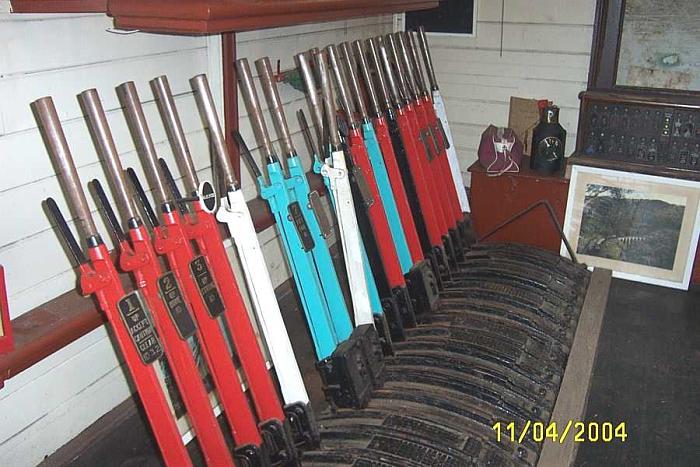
(548, 140)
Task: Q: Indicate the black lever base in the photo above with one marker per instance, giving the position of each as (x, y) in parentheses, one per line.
(422, 287)
(386, 340)
(441, 266)
(466, 232)
(450, 251)
(458, 243)
(250, 456)
(367, 335)
(345, 375)
(405, 304)
(302, 422)
(279, 442)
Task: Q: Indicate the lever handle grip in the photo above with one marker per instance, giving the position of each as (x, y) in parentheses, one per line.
(306, 132)
(247, 156)
(65, 232)
(108, 210)
(393, 54)
(143, 199)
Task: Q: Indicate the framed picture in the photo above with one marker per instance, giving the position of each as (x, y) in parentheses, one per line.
(643, 227)
(646, 46)
(6, 342)
(449, 18)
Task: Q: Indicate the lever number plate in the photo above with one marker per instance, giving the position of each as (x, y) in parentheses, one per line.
(175, 303)
(206, 285)
(297, 217)
(445, 141)
(426, 144)
(135, 316)
(317, 207)
(361, 182)
(436, 142)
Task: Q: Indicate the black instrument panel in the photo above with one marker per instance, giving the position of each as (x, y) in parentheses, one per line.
(654, 134)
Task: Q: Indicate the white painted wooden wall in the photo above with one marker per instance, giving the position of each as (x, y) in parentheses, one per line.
(62, 55)
(546, 50)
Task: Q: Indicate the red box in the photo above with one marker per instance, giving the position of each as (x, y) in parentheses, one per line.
(6, 342)
(496, 199)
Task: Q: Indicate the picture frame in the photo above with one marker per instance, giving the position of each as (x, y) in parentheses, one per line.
(610, 45)
(436, 26)
(642, 227)
(6, 338)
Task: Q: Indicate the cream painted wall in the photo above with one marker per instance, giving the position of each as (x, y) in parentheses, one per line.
(546, 51)
(62, 55)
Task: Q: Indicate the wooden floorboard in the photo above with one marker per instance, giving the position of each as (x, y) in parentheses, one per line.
(575, 386)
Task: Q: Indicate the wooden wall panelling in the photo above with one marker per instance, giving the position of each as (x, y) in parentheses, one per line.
(546, 53)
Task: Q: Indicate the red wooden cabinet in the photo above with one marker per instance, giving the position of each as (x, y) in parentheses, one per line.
(6, 342)
(495, 199)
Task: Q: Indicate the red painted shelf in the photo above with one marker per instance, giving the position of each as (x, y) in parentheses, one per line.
(217, 16)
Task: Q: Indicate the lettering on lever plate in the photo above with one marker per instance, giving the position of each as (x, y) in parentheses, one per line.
(317, 207)
(176, 305)
(297, 217)
(207, 287)
(136, 318)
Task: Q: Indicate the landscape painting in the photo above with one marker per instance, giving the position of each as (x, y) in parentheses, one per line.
(631, 226)
(641, 227)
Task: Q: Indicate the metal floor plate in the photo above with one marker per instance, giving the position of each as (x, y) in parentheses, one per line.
(494, 351)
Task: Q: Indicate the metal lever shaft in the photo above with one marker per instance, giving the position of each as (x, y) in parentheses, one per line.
(274, 102)
(396, 71)
(136, 120)
(205, 101)
(359, 51)
(250, 96)
(415, 63)
(328, 99)
(104, 143)
(173, 127)
(427, 58)
(55, 140)
(342, 85)
(312, 92)
(376, 62)
(384, 69)
(353, 80)
(404, 62)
